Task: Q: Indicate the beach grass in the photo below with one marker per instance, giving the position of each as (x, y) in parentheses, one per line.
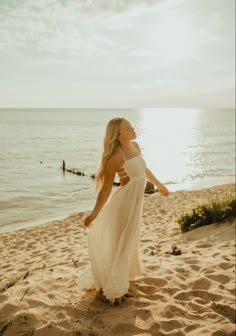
(212, 212)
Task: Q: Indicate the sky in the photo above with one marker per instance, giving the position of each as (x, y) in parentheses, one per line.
(117, 53)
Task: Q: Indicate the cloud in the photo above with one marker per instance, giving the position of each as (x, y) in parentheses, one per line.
(79, 27)
(137, 47)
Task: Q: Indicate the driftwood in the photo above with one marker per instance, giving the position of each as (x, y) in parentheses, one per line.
(25, 293)
(74, 263)
(149, 189)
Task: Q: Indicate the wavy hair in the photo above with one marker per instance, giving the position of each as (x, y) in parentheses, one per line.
(110, 144)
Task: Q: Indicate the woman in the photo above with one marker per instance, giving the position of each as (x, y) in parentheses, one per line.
(113, 237)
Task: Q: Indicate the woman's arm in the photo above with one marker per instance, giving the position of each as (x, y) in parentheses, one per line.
(151, 178)
(105, 191)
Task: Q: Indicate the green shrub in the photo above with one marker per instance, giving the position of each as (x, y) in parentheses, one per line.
(205, 214)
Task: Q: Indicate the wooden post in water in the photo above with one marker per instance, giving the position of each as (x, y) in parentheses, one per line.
(149, 189)
(77, 172)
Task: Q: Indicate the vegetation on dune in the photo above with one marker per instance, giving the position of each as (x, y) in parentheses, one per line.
(205, 214)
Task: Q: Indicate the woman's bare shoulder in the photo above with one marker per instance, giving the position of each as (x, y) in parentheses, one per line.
(115, 159)
(136, 145)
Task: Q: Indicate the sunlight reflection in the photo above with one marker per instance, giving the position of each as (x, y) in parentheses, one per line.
(167, 138)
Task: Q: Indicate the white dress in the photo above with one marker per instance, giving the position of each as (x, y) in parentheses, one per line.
(113, 237)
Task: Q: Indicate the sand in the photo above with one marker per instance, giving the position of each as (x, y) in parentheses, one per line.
(189, 294)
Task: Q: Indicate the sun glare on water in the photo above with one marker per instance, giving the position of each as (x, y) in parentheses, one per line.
(168, 137)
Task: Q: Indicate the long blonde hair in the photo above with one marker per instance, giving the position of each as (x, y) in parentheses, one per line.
(110, 144)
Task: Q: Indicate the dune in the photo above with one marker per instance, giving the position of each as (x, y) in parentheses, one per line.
(192, 293)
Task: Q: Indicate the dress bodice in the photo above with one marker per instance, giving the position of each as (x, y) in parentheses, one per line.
(135, 167)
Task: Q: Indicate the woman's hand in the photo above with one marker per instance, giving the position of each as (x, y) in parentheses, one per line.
(163, 190)
(89, 219)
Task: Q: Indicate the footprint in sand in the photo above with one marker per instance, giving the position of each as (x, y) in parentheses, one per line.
(225, 311)
(191, 261)
(182, 273)
(204, 295)
(64, 249)
(146, 241)
(225, 266)
(52, 250)
(155, 281)
(141, 304)
(232, 291)
(221, 278)
(150, 294)
(222, 333)
(195, 267)
(225, 245)
(143, 314)
(152, 268)
(182, 277)
(5, 266)
(171, 325)
(125, 329)
(173, 311)
(202, 283)
(170, 290)
(203, 245)
(208, 271)
(215, 255)
(148, 289)
(189, 328)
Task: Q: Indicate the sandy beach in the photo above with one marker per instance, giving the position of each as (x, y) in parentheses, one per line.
(189, 294)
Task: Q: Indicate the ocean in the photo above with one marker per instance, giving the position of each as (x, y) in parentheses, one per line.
(184, 148)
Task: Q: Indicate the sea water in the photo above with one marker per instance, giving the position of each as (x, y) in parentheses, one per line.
(184, 148)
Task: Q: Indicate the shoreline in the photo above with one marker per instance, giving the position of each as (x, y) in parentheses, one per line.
(189, 294)
(173, 187)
